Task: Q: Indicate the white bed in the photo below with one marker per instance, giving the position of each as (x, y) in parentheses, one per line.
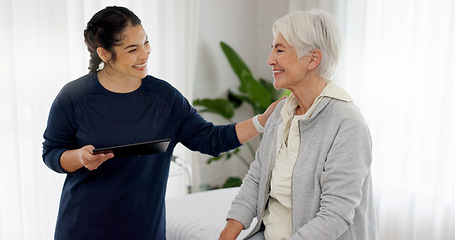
(199, 216)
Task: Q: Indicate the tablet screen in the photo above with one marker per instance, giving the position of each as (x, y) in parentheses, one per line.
(135, 149)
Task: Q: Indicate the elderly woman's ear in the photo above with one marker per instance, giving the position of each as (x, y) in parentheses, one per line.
(315, 57)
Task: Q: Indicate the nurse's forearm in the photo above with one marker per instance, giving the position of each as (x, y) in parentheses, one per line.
(246, 130)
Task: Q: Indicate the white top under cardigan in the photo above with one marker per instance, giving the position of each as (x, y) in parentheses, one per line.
(278, 215)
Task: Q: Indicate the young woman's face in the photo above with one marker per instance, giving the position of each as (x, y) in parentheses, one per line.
(288, 69)
(132, 53)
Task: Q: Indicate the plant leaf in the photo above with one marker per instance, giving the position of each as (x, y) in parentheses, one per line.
(276, 94)
(212, 159)
(256, 91)
(224, 155)
(219, 106)
(237, 64)
(232, 182)
(285, 92)
(270, 88)
(235, 99)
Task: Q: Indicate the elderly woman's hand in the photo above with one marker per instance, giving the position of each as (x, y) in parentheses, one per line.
(232, 230)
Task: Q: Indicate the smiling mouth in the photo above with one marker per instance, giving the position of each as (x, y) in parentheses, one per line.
(140, 65)
(276, 72)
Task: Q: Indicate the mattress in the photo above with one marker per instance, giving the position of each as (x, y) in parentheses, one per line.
(199, 215)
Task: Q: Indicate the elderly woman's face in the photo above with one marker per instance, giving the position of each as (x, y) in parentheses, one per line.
(288, 69)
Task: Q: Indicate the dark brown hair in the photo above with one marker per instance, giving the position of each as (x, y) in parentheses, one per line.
(105, 30)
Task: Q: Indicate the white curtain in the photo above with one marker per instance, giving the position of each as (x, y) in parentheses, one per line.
(42, 49)
(399, 66)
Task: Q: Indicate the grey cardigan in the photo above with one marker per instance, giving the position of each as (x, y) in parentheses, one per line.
(331, 185)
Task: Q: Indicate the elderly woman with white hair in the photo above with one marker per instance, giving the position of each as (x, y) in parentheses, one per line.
(311, 176)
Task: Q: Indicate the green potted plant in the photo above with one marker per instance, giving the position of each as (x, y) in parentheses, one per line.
(258, 93)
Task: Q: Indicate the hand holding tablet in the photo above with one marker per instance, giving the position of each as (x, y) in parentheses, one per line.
(135, 149)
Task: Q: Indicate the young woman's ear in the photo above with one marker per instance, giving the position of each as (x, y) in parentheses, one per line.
(104, 54)
(315, 59)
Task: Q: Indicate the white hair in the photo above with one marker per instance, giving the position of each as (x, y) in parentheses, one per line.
(309, 30)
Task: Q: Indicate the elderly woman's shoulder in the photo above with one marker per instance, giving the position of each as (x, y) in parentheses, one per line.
(346, 111)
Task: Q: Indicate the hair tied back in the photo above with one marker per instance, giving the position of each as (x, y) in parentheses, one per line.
(91, 27)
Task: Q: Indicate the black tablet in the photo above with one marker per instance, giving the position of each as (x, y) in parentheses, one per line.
(135, 149)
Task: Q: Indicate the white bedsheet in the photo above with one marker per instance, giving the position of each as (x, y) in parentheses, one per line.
(199, 216)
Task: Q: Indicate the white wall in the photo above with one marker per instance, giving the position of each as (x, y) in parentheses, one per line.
(247, 27)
